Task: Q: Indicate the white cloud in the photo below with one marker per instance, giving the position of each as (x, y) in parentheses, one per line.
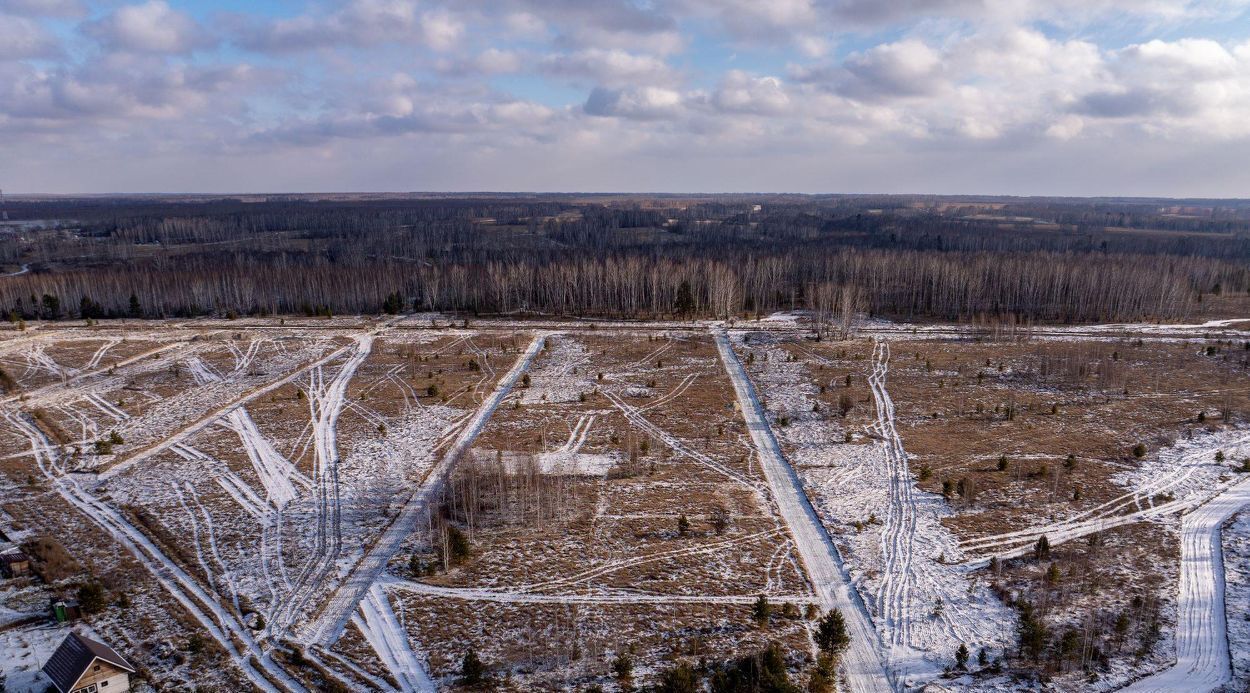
(646, 103)
(491, 61)
(740, 92)
(442, 30)
(23, 38)
(362, 23)
(153, 27)
(573, 81)
(906, 68)
(608, 67)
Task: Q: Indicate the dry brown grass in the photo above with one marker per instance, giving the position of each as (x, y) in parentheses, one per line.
(543, 642)
(632, 513)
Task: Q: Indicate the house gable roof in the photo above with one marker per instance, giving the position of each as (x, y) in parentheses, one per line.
(74, 657)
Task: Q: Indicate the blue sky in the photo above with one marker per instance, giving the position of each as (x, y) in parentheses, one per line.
(1094, 97)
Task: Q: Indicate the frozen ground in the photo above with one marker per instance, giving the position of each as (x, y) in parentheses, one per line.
(1202, 644)
(901, 558)
(1236, 546)
(24, 651)
(862, 663)
(1176, 480)
(294, 517)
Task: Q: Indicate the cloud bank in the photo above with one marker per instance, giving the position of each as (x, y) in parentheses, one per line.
(1020, 97)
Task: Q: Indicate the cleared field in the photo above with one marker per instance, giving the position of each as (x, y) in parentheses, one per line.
(356, 503)
(933, 455)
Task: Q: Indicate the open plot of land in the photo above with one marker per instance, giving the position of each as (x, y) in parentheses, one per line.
(932, 455)
(360, 503)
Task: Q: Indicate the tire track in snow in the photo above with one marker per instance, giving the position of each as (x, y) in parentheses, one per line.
(212, 416)
(328, 624)
(898, 578)
(862, 662)
(326, 404)
(637, 419)
(389, 640)
(607, 597)
(34, 398)
(202, 605)
(1107, 515)
(1202, 656)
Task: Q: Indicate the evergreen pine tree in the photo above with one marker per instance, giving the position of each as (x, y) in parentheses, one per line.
(761, 610)
(472, 671)
(831, 633)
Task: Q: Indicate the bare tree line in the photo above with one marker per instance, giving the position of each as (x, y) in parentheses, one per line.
(909, 284)
(641, 259)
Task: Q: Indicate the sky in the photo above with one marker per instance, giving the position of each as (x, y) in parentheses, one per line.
(1020, 97)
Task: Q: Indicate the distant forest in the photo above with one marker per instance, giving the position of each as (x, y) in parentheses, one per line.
(1020, 259)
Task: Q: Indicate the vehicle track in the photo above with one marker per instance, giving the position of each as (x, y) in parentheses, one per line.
(327, 625)
(389, 640)
(676, 445)
(605, 597)
(203, 606)
(862, 663)
(1202, 655)
(326, 403)
(896, 594)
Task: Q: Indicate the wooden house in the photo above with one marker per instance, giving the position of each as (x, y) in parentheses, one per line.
(82, 665)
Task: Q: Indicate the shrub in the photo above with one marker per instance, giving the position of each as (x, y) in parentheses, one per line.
(458, 545)
(764, 672)
(623, 669)
(961, 657)
(679, 678)
(91, 598)
(50, 559)
(1041, 550)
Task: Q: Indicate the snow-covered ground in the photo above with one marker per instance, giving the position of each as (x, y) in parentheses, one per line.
(390, 640)
(306, 545)
(328, 624)
(1202, 651)
(23, 652)
(1236, 547)
(903, 559)
(862, 662)
(1177, 479)
(917, 571)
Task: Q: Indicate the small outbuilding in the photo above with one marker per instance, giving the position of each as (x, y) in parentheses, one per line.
(14, 564)
(82, 665)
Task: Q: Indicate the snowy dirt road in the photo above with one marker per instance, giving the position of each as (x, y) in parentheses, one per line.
(1202, 656)
(862, 663)
(328, 624)
(389, 640)
(914, 573)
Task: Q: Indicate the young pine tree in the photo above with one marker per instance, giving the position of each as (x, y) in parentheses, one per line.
(760, 611)
(831, 634)
(472, 670)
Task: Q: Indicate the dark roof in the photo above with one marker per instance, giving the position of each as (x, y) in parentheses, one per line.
(13, 557)
(75, 655)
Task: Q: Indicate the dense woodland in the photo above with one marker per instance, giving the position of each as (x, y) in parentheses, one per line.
(1032, 259)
